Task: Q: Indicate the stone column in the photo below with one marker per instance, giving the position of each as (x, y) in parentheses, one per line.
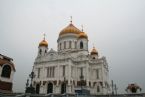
(87, 74)
(69, 77)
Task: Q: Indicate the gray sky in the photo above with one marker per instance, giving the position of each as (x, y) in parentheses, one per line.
(115, 27)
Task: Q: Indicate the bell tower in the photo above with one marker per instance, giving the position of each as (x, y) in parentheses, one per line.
(94, 53)
(83, 41)
(43, 47)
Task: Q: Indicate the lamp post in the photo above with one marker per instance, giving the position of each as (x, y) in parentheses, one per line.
(115, 88)
(27, 84)
(30, 89)
(112, 84)
(32, 76)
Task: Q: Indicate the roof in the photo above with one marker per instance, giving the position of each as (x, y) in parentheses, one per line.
(6, 60)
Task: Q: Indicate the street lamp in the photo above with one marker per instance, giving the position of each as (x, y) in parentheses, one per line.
(27, 84)
(32, 76)
(114, 88)
(30, 89)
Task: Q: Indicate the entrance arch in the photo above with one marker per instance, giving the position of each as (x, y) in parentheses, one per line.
(49, 88)
(63, 88)
(37, 88)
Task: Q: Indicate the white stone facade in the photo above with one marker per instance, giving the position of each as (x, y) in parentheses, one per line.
(71, 66)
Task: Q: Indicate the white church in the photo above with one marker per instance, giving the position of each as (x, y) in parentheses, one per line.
(72, 67)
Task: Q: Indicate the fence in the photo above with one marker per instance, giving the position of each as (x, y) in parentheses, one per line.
(68, 95)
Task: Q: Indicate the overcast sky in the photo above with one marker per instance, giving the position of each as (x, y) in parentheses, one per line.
(115, 27)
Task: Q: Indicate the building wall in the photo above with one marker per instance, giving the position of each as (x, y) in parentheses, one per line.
(76, 60)
(6, 80)
(72, 62)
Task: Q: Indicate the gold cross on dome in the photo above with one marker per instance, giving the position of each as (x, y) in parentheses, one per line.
(82, 28)
(44, 35)
(71, 19)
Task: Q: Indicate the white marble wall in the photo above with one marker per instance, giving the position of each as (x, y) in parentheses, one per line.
(73, 59)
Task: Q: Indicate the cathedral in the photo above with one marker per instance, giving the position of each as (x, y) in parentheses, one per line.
(72, 67)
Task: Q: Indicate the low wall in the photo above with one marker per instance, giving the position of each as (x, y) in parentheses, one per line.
(68, 95)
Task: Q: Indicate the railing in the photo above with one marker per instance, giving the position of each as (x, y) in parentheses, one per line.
(68, 95)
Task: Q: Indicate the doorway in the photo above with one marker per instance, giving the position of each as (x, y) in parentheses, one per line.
(49, 88)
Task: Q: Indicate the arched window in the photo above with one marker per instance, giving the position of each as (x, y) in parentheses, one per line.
(45, 51)
(6, 71)
(70, 43)
(49, 88)
(75, 44)
(94, 58)
(63, 88)
(60, 46)
(81, 45)
(40, 51)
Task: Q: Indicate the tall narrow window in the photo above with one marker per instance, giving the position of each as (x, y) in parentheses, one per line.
(6, 71)
(40, 51)
(81, 71)
(63, 71)
(70, 43)
(52, 72)
(60, 46)
(48, 72)
(97, 73)
(75, 44)
(81, 45)
(38, 75)
(81, 75)
(64, 44)
(45, 51)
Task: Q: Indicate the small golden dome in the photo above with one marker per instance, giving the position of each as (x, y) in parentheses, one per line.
(43, 43)
(83, 35)
(70, 29)
(94, 51)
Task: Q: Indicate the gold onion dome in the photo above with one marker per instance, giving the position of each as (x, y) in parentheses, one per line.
(43, 43)
(94, 51)
(70, 29)
(83, 35)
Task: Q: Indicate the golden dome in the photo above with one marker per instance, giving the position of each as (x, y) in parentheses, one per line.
(70, 29)
(83, 35)
(43, 43)
(94, 51)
